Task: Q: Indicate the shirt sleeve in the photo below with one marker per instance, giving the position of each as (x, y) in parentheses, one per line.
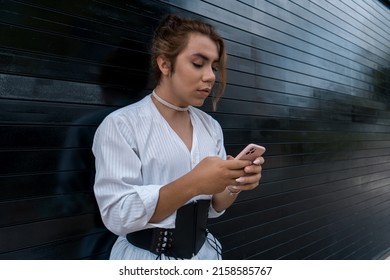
(126, 205)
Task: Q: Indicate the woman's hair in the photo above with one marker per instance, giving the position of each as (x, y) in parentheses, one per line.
(171, 38)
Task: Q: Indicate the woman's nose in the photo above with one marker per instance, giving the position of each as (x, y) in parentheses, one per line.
(209, 75)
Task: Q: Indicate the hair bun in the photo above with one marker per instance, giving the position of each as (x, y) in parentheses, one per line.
(170, 22)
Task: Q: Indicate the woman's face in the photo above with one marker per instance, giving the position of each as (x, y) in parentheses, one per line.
(194, 72)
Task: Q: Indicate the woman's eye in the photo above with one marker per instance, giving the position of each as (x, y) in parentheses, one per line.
(197, 65)
(215, 69)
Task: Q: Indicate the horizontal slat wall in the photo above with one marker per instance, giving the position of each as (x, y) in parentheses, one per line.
(309, 80)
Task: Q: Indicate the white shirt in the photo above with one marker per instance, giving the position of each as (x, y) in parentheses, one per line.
(137, 153)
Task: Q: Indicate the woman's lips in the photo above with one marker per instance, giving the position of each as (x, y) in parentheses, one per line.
(204, 92)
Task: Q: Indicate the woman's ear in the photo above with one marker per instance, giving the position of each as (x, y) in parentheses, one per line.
(164, 64)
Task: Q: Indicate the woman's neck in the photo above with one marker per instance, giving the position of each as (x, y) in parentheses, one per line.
(168, 113)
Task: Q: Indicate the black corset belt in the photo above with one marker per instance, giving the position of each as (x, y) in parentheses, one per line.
(182, 242)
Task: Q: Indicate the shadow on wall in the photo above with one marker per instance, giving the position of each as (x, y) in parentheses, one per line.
(120, 87)
(123, 80)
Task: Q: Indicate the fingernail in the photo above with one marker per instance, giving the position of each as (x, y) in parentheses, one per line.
(237, 188)
(257, 161)
(240, 180)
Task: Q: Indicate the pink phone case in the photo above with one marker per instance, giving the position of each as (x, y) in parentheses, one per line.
(251, 152)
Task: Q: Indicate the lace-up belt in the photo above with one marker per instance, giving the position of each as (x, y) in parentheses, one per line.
(182, 242)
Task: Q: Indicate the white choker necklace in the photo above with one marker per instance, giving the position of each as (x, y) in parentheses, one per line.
(169, 105)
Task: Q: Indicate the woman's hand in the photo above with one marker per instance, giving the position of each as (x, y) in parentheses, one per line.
(213, 174)
(210, 176)
(248, 181)
(252, 176)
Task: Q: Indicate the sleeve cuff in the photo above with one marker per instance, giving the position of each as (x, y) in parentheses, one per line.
(149, 195)
(213, 213)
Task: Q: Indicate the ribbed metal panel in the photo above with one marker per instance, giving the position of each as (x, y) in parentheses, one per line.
(310, 80)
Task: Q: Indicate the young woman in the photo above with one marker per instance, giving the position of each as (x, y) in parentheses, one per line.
(161, 166)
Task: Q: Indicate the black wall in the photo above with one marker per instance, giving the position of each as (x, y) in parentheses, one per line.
(310, 80)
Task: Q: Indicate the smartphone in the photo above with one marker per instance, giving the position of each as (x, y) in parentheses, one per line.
(251, 152)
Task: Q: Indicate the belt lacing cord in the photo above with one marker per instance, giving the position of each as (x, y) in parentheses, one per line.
(215, 245)
(159, 257)
(212, 241)
(165, 244)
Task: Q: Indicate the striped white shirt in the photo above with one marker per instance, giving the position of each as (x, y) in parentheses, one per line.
(136, 153)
